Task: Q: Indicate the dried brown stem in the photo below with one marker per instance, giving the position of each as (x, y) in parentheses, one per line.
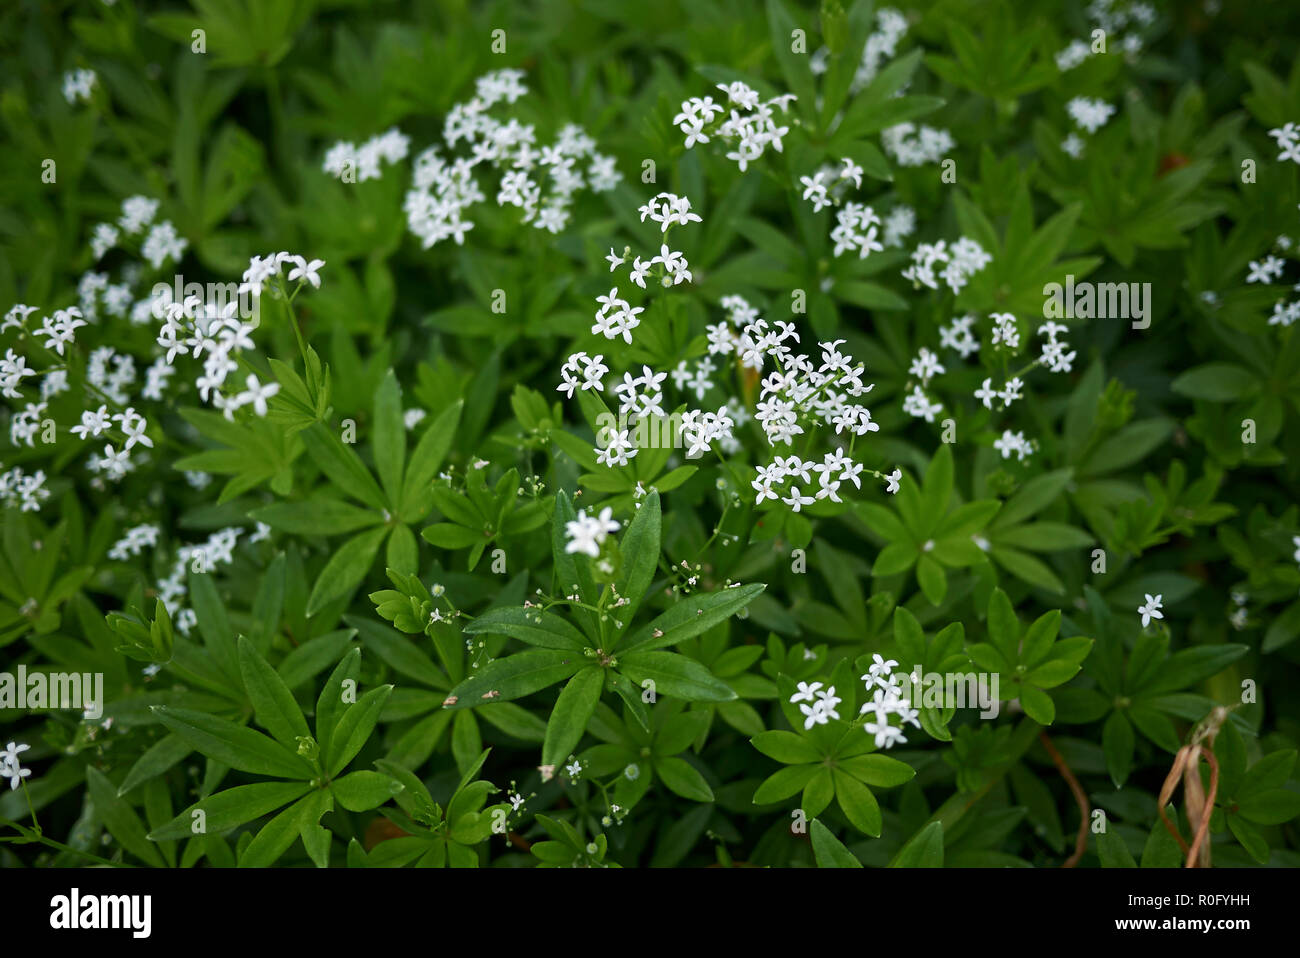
(1190, 754)
(1080, 797)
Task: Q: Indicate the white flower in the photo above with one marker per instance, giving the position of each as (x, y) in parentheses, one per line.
(306, 271)
(586, 533)
(806, 692)
(1151, 610)
(93, 423)
(10, 767)
(257, 394)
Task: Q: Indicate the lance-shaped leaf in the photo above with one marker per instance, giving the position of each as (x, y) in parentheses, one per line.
(364, 790)
(120, 818)
(828, 850)
(346, 568)
(280, 832)
(231, 808)
(640, 549)
(425, 462)
(342, 466)
(572, 712)
(515, 676)
(388, 439)
(676, 675)
(273, 703)
(232, 744)
(355, 726)
(534, 626)
(690, 616)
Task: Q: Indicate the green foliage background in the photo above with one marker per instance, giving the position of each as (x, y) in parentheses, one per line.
(1140, 452)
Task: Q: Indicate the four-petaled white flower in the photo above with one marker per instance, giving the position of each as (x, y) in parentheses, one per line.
(1151, 610)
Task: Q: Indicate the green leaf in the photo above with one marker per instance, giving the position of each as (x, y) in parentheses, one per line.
(784, 782)
(1037, 704)
(923, 850)
(342, 466)
(363, 790)
(690, 616)
(316, 517)
(1273, 807)
(1117, 741)
(1035, 495)
(1112, 850)
(273, 703)
(346, 568)
(829, 851)
(573, 710)
(683, 778)
(280, 832)
(427, 460)
(878, 770)
(1004, 628)
(534, 626)
(1186, 668)
(640, 549)
(515, 676)
(232, 744)
(675, 675)
(389, 438)
(1217, 382)
(786, 747)
(354, 728)
(231, 808)
(858, 804)
(120, 818)
(937, 488)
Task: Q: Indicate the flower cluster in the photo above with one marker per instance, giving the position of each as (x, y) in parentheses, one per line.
(356, 164)
(855, 224)
(216, 331)
(162, 243)
(749, 126)
(1013, 442)
(1109, 17)
(900, 223)
(540, 181)
(855, 229)
(910, 145)
(591, 370)
(831, 473)
(1268, 270)
(822, 702)
(617, 317)
(136, 540)
(962, 260)
(1288, 141)
(1091, 115)
(25, 491)
(886, 702)
(217, 550)
(1005, 338)
(880, 46)
(79, 85)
